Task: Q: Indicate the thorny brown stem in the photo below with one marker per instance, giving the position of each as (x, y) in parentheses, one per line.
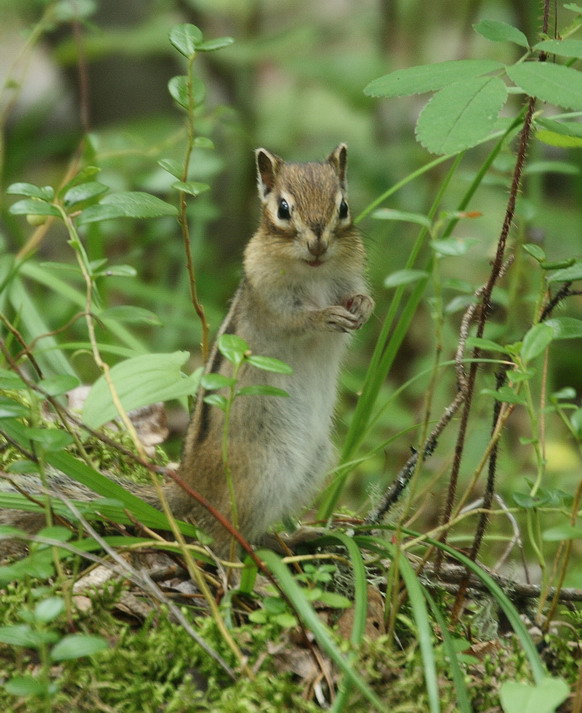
(485, 311)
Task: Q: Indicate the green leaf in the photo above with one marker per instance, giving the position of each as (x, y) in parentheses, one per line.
(77, 645)
(12, 409)
(389, 214)
(552, 138)
(568, 274)
(216, 381)
(562, 532)
(536, 251)
(553, 83)
(216, 44)
(537, 167)
(202, 142)
(428, 77)
(565, 327)
(536, 340)
(83, 193)
(140, 381)
(487, 345)
(128, 204)
(543, 697)
(23, 635)
(461, 115)
(568, 128)
(216, 400)
(452, 247)
(44, 193)
(233, 348)
(497, 31)
(22, 466)
(49, 609)
(33, 206)
(184, 38)
(9, 381)
(49, 438)
(261, 390)
(564, 48)
(405, 277)
(269, 364)
(193, 188)
(506, 394)
(334, 600)
(172, 167)
(82, 177)
(60, 384)
(116, 271)
(178, 88)
(25, 686)
(131, 314)
(566, 393)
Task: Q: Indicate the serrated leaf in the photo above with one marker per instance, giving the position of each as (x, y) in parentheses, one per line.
(130, 314)
(536, 340)
(568, 274)
(216, 44)
(184, 38)
(400, 215)
(565, 327)
(564, 48)
(59, 384)
(84, 192)
(261, 390)
(172, 167)
(128, 204)
(498, 31)
(536, 251)
(140, 381)
(543, 697)
(193, 188)
(554, 83)
(405, 277)
(77, 645)
(44, 193)
(33, 206)
(216, 381)
(428, 77)
(269, 364)
(461, 115)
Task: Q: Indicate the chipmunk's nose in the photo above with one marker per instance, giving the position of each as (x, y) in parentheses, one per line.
(317, 247)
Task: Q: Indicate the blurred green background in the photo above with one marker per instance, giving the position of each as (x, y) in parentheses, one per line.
(293, 81)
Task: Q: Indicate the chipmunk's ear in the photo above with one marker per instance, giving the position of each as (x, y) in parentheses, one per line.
(339, 160)
(268, 165)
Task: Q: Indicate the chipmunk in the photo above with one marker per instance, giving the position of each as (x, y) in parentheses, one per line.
(302, 294)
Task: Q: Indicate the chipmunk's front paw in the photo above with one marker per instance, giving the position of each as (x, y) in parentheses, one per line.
(339, 319)
(361, 306)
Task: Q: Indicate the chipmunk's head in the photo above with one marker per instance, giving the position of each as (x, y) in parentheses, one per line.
(306, 215)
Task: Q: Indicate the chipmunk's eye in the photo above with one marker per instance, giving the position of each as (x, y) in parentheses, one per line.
(284, 212)
(343, 210)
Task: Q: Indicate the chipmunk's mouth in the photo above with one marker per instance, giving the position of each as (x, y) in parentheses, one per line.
(314, 263)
